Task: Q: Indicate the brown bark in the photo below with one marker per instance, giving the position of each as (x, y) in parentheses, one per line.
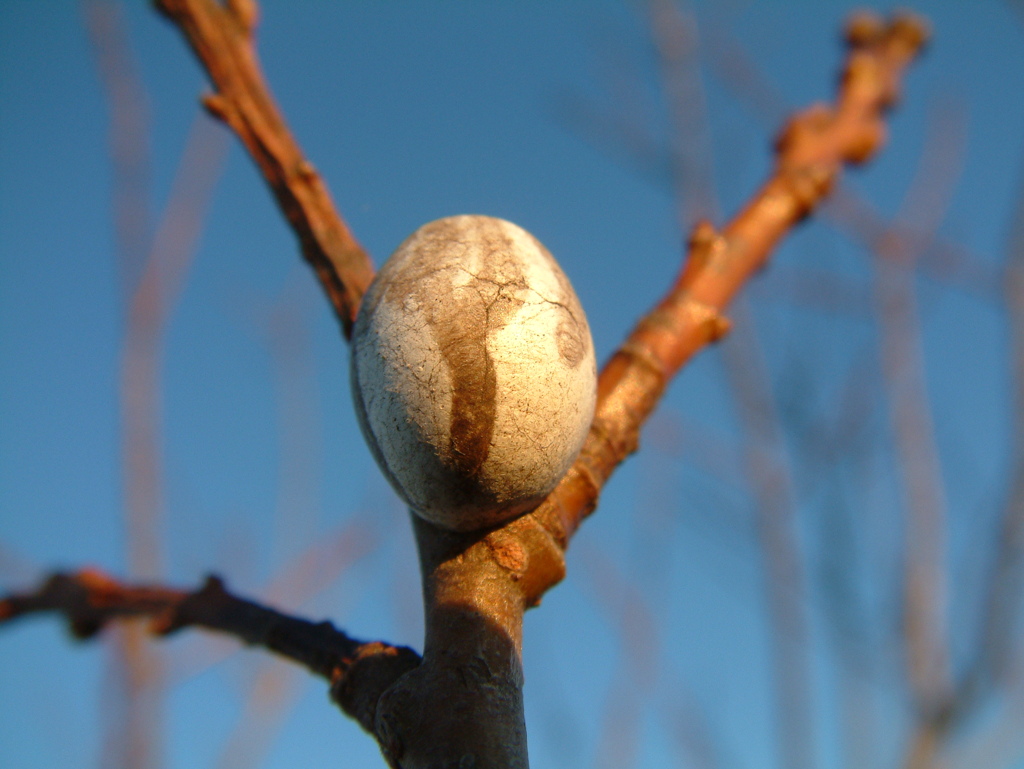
(810, 153)
(90, 600)
(222, 38)
(462, 704)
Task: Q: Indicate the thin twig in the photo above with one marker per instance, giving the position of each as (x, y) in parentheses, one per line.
(267, 700)
(222, 38)
(992, 662)
(676, 40)
(90, 600)
(811, 152)
(949, 263)
(304, 577)
(770, 478)
(925, 599)
(768, 473)
(151, 268)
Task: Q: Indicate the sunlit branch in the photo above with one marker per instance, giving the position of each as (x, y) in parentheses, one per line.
(810, 154)
(222, 38)
(949, 263)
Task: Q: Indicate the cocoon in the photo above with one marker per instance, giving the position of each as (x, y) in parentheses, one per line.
(473, 371)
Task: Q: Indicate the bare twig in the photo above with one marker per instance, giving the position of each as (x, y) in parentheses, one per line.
(222, 38)
(635, 681)
(767, 472)
(90, 600)
(305, 576)
(992, 662)
(925, 600)
(151, 268)
(676, 40)
(267, 700)
(150, 305)
(811, 152)
(128, 137)
(1002, 600)
(770, 478)
(951, 264)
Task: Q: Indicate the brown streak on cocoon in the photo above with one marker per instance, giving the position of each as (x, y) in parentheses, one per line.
(473, 392)
(461, 321)
(473, 362)
(461, 332)
(570, 341)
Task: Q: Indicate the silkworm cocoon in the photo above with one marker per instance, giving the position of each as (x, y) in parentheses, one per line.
(473, 371)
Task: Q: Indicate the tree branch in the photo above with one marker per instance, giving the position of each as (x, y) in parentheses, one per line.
(811, 151)
(89, 600)
(477, 585)
(222, 38)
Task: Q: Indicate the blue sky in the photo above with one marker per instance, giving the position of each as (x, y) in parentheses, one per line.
(413, 111)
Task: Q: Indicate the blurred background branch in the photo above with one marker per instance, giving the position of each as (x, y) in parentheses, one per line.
(748, 601)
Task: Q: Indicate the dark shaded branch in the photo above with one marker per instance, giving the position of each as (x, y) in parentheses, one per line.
(89, 600)
(221, 36)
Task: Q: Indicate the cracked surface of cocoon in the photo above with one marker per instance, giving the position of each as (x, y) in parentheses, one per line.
(473, 371)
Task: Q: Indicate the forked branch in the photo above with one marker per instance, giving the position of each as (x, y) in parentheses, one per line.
(810, 153)
(463, 701)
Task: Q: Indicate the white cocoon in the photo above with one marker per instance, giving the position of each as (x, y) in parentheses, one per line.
(473, 371)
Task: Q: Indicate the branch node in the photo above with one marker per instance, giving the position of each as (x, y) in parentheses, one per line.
(806, 125)
(660, 319)
(214, 584)
(623, 442)
(216, 106)
(508, 553)
(306, 171)
(807, 185)
(702, 237)
(676, 315)
(179, 615)
(871, 137)
(704, 245)
(707, 317)
(705, 242)
(561, 513)
(912, 29)
(246, 14)
(357, 686)
(864, 28)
